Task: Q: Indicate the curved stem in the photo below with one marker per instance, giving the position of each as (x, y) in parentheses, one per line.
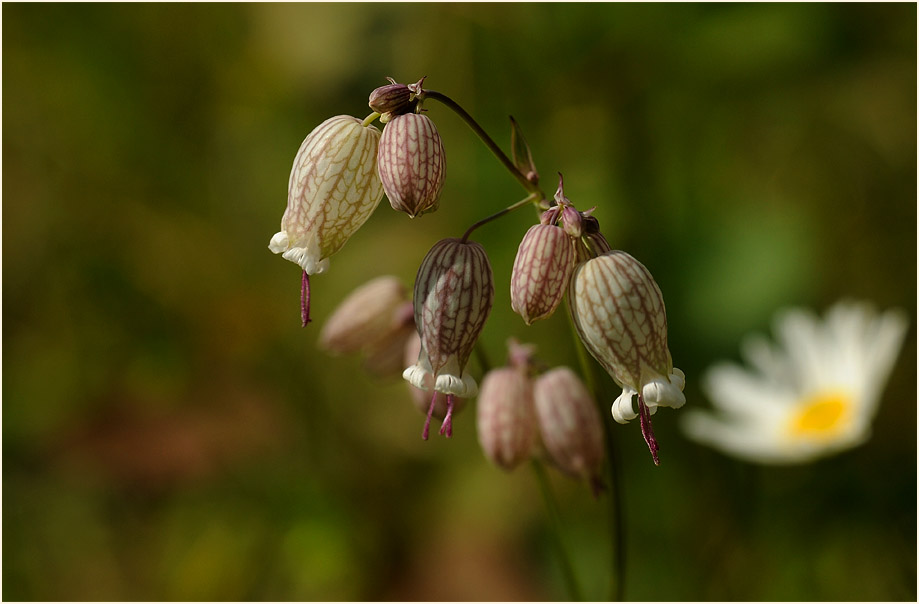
(552, 509)
(369, 119)
(528, 199)
(502, 157)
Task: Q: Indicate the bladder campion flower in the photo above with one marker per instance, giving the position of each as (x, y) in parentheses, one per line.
(453, 296)
(376, 320)
(811, 396)
(505, 416)
(570, 424)
(619, 313)
(333, 189)
(541, 270)
(412, 164)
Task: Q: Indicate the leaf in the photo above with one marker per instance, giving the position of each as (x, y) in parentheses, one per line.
(520, 153)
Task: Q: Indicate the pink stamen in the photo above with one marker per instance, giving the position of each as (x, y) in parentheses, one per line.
(305, 299)
(647, 430)
(427, 421)
(447, 426)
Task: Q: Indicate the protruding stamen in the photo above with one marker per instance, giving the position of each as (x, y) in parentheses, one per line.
(446, 428)
(647, 430)
(305, 299)
(427, 421)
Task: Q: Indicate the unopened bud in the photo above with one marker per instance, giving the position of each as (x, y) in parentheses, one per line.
(506, 417)
(541, 271)
(364, 317)
(394, 99)
(570, 425)
(412, 164)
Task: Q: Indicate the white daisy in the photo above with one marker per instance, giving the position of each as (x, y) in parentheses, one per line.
(811, 396)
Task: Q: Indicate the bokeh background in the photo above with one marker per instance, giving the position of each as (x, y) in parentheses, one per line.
(169, 430)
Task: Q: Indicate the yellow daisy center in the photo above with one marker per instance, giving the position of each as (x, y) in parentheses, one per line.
(821, 415)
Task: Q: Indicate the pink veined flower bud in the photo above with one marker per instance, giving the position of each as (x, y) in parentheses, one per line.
(372, 320)
(365, 316)
(570, 424)
(412, 164)
(619, 313)
(422, 398)
(333, 188)
(395, 99)
(506, 418)
(453, 296)
(541, 270)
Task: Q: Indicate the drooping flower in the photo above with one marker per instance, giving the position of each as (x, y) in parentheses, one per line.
(811, 395)
(619, 314)
(506, 418)
(541, 270)
(412, 164)
(376, 320)
(453, 296)
(333, 188)
(570, 425)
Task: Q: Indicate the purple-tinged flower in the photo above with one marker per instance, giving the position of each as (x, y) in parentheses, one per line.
(412, 164)
(395, 99)
(333, 188)
(619, 313)
(506, 418)
(453, 296)
(570, 424)
(541, 270)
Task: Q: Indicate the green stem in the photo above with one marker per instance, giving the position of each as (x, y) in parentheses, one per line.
(369, 119)
(615, 512)
(502, 157)
(528, 199)
(556, 529)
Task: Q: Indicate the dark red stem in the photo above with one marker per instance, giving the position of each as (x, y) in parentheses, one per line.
(305, 299)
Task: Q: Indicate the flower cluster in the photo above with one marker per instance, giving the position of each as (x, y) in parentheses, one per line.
(338, 178)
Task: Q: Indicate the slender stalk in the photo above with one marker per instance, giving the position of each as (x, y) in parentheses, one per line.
(528, 199)
(616, 516)
(491, 144)
(571, 581)
(369, 119)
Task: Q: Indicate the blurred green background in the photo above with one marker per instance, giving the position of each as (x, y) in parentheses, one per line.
(169, 430)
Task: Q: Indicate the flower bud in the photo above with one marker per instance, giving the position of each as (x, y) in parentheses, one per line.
(569, 423)
(412, 164)
(333, 189)
(506, 418)
(453, 296)
(541, 270)
(395, 99)
(364, 317)
(422, 398)
(619, 314)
